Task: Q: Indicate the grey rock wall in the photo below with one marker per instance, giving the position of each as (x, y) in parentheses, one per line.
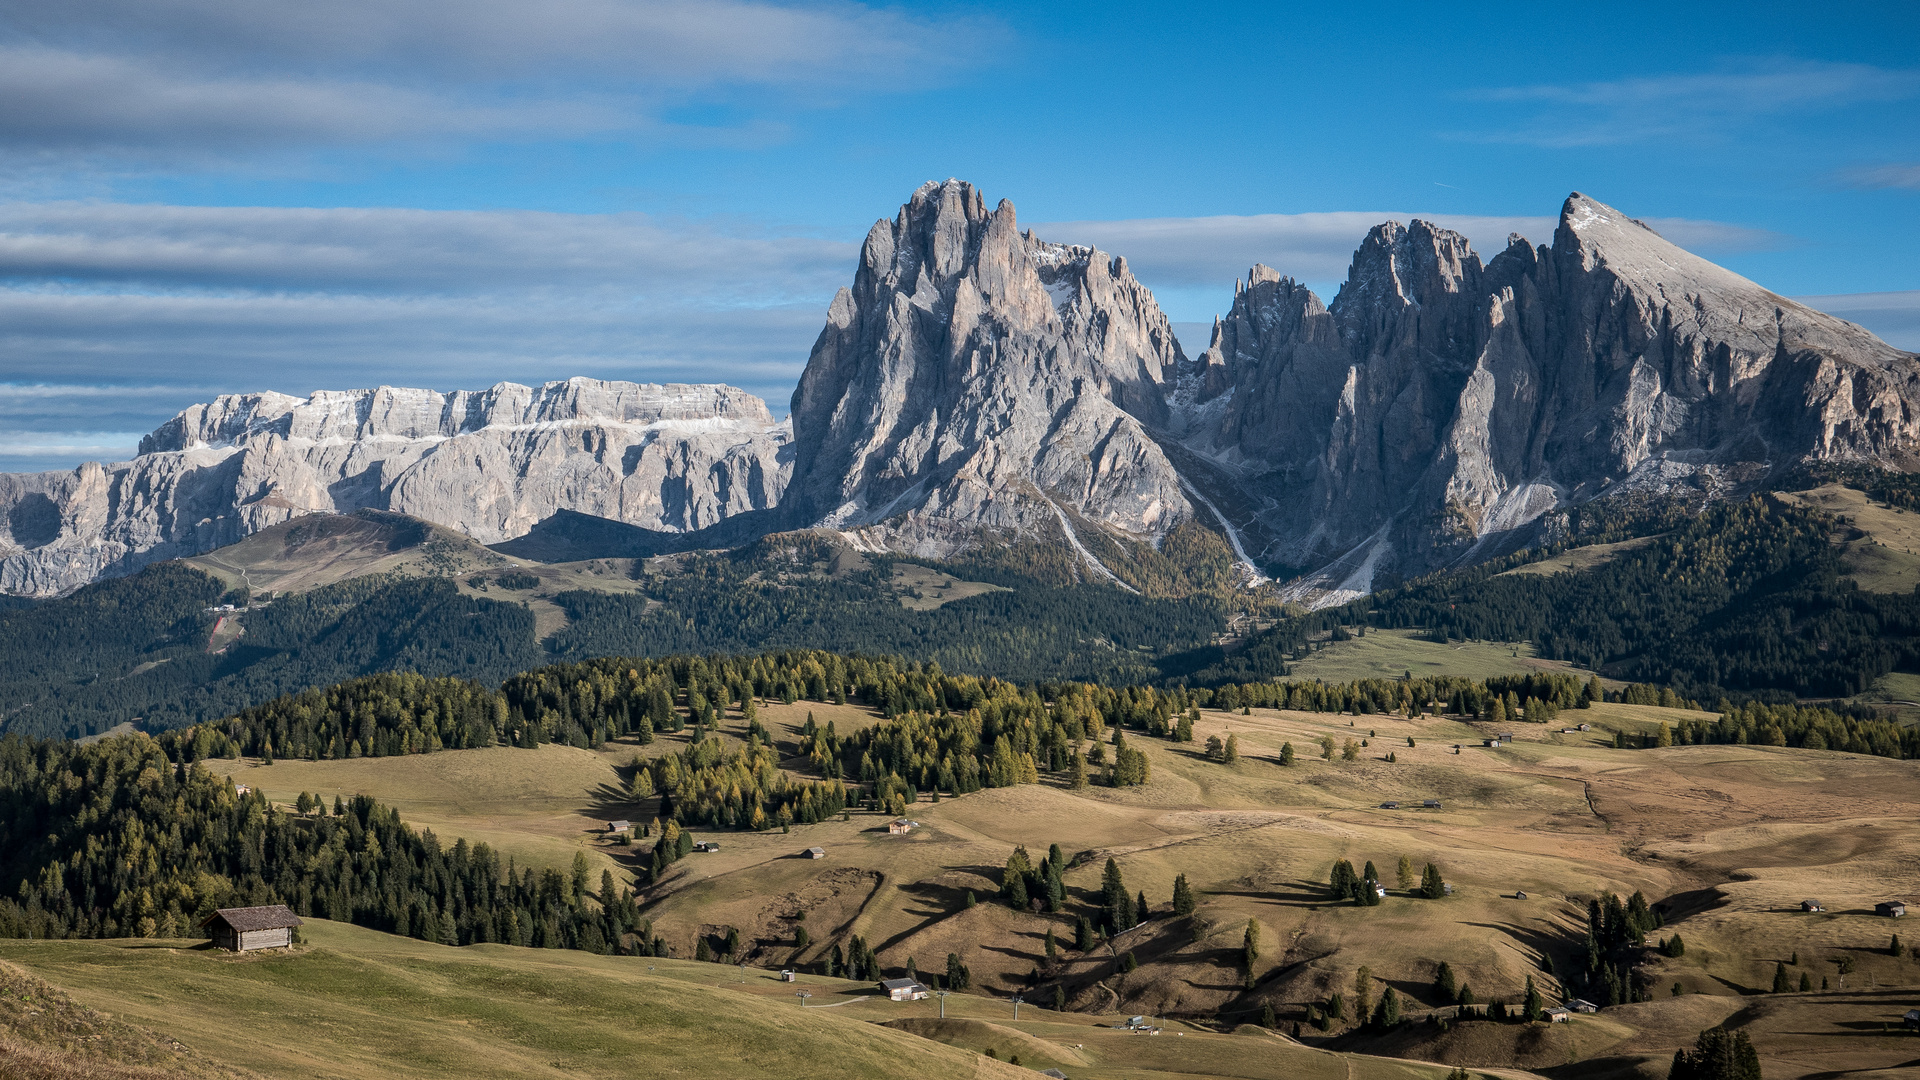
(489, 463)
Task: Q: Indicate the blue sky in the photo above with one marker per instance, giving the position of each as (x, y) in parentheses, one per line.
(213, 196)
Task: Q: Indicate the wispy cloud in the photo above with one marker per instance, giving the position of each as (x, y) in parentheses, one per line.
(1666, 106)
(1899, 174)
(1894, 316)
(115, 316)
(130, 79)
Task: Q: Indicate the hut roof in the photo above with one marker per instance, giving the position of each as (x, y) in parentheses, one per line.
(248, 919)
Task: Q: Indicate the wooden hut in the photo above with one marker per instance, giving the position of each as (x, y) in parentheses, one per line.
(244, 929)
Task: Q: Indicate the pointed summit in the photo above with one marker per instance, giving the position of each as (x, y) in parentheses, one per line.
(976, 383)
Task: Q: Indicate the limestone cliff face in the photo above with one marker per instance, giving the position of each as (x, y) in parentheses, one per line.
(1442, 407)
(489, 463)
(977, 382)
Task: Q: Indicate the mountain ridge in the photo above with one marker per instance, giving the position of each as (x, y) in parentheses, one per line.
(979, 387)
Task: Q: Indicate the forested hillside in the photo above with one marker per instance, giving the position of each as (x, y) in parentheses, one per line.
(136, 648)
(773, 596)
(1748, 599)
(114, 840)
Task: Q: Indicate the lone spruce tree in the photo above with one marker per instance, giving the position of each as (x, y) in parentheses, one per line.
(1183, 903)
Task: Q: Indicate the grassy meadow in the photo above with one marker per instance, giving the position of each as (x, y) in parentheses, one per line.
(1732, 838)
(353, 1003)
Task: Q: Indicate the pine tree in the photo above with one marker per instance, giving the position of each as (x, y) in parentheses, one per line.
(1806, 983)
(1717, 1055)
(1113, 891)
(1183, 903)
(1286, 753)
(1053, 947)
(1443, 984)
(1432, 886)
(1533, 1006)
(1404, 873)
(1140, 909)
(1232, 754)
(1082, 935)
(1387, 1015)
(1267, 1019)
(1780, 983)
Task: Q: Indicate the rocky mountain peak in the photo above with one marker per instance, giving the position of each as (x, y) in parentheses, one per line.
(977, 378)
(491, 463)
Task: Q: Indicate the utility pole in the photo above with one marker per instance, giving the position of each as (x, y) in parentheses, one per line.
(942, 995)
(1017, 999)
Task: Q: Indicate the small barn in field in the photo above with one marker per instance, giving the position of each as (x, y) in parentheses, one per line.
(245, 929)
(903, 989)
(1893, 909)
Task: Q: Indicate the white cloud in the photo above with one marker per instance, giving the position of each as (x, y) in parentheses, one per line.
(108, 79)
(1683, 106)
(1893, 316)
(415, 251)
(115, 316)
(1899, 174)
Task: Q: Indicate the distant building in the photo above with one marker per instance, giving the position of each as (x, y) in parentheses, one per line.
(1912, 1019)
(1519, 894)
(1379, 890)
(1431, 804)
(903, 989)
(1586, 727)
(1389, 806)
(1055, 1073)
(1489, 742)
(1582, 1005)
(1811, 905)
(1892, 909)
(1559, 1014)
(619, 826)
(706, 845)
(1505, 736)
(787, 975)
(816, 853)
(245, 929)
(901, 825)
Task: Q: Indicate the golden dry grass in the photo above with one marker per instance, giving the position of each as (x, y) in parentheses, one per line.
(1391, 654)
(357, 1004)
(1732, 837)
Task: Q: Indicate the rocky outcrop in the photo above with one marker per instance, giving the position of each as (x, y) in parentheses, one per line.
(488, 463)
(1441, 408)
(975, 381)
